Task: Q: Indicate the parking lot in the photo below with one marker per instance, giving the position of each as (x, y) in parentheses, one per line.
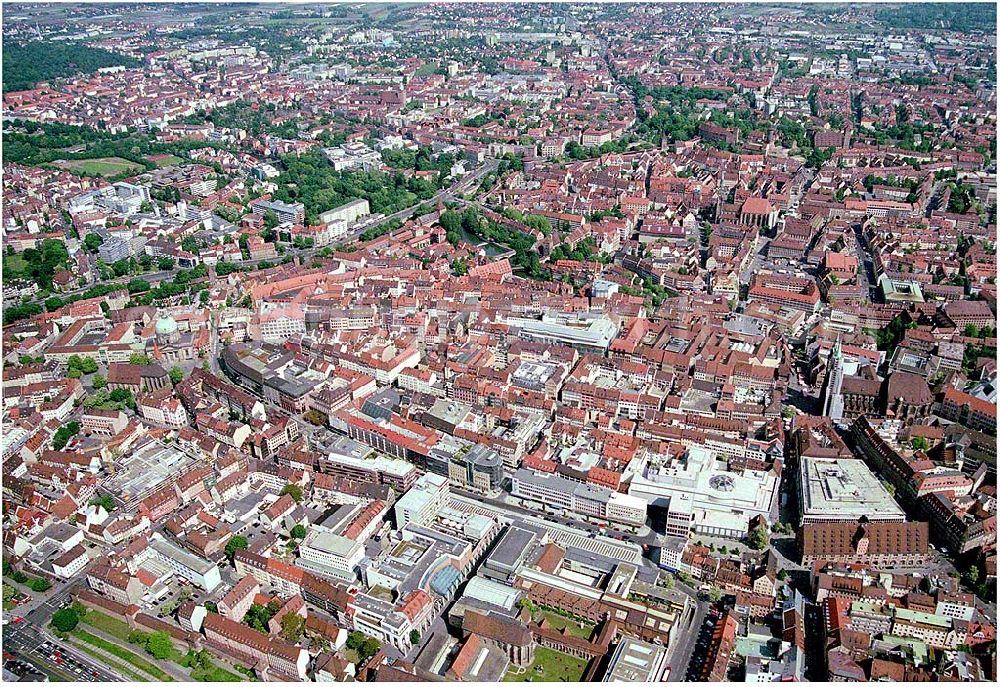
(179, 592)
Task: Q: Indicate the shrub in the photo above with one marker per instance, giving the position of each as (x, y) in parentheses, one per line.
(39, 585)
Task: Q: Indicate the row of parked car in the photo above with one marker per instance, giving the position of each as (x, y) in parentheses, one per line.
(700, 653)
(60, 658)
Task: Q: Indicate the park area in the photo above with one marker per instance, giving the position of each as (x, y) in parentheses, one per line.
(549, 666)
(104, 166)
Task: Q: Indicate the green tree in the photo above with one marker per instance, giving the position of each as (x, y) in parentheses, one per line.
(298, 532)
(93, 242)
(450, 220)
(121, 267)
(920, 443)
(414, 637)
(105, 501)
(65, 619)
(293, 626)
(369, 648)
(122, 397)
(355, 640)
(470, 221)
(64, 434)
(176, 375)
(259, 616)
(137, 286)
(759, 538)
(539, 223)
(315, 417)
(234, 544)
(140, 359)
(99, 381)
(159, 645)
(293, 490)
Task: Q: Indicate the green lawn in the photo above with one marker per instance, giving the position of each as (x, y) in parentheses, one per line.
(107, 624)
(557, 622)
(167, 161)
(215, 674)
(8, 592)
(14, 266)
(124, 654)
(550, 666)
(105, 166)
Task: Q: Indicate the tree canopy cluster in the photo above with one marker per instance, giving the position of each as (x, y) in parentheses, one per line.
(525, 257)
(366, 647)
(311, 180)
(39, 264)
(422, 160)
(961, 18)
(40, 143)
(25, 65)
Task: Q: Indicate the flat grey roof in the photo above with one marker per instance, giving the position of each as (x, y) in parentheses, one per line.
(513, 545)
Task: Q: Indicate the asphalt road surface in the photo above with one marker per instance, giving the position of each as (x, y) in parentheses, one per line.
(685, 634)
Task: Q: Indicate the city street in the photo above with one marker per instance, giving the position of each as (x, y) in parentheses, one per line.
(684, 637)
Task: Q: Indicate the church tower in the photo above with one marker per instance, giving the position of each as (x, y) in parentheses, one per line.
(833, 400)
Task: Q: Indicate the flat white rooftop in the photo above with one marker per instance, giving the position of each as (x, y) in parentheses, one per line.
(844, 490)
